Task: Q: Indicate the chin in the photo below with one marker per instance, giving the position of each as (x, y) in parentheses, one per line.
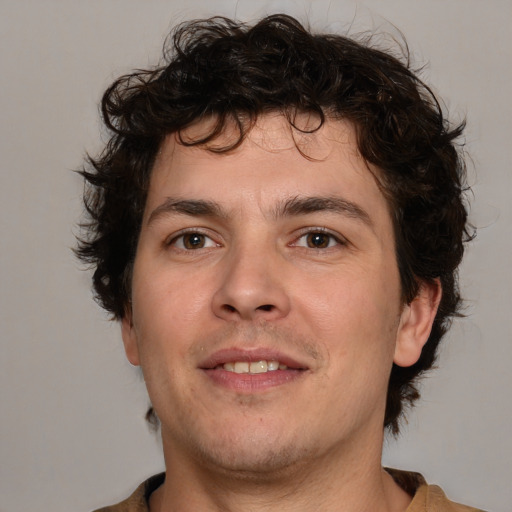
(252, 455)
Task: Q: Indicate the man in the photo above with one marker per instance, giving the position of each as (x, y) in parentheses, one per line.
(277, 222)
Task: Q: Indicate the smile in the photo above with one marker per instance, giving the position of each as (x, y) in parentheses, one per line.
(251, 371)
(252, 367)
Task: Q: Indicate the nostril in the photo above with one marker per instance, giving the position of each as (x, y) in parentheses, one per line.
(229, 308)
(266, 307)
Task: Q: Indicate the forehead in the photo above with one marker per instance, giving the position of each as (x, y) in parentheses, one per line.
(275, 161)
(272, 132)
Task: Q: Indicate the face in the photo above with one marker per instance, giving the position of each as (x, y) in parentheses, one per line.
(266, 308)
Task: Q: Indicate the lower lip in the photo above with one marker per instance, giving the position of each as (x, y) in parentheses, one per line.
(252, 382)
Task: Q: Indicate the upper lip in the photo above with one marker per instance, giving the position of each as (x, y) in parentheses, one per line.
(257, 354)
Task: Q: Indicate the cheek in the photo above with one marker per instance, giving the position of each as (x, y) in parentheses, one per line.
(169, 299)
(354, 315)
(170, 315)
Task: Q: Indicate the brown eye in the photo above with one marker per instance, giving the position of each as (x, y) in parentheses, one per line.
(193, 241)
(318, 240)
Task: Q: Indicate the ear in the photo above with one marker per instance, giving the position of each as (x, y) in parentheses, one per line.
(131, 347)
(416, 323)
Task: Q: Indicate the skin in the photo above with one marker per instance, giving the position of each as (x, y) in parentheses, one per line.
(318, 285)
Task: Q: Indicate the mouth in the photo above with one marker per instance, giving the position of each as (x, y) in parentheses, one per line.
(254, 367)
(251, 371)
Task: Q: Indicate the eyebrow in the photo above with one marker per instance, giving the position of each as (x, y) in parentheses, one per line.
(192, 207)
(304, 205)
(292, 207)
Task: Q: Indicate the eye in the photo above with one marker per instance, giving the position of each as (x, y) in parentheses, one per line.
(192, 241)
(318, 240)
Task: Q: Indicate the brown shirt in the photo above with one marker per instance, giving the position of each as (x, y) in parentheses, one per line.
(426, 498)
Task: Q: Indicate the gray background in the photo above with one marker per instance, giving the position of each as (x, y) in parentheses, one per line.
(72, 430)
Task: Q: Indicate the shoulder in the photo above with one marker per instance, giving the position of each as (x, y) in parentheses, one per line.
(138, 500)
(426, 498)
(434, 500)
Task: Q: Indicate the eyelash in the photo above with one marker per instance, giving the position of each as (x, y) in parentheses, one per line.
(339, 241)
(179, 238)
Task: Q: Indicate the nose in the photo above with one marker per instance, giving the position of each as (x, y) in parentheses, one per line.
(252, 287)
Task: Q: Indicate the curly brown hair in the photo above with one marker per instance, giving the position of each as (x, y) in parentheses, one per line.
(235, 72)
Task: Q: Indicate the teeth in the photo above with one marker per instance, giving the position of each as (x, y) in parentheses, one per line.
(241, 367)
(253, 367)
(259, 367)
(273, 365)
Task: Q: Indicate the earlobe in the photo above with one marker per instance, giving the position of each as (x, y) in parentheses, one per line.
(416, 323)
(130, 339)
